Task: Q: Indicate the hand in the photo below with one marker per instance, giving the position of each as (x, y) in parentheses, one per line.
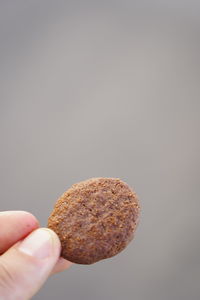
(29, 254)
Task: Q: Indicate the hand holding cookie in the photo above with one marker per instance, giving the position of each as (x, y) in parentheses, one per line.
(93, 220)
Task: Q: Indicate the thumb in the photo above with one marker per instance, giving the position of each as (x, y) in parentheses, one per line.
(25, 266)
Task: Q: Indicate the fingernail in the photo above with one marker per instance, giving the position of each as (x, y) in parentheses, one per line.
(38, 244)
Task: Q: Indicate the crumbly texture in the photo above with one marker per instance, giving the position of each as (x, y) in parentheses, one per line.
(95, 219)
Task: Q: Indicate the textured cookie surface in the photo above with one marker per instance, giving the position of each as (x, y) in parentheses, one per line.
(95, 219)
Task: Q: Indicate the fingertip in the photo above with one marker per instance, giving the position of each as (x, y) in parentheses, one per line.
(61, 265)
(55, 238)
(31, 220)
(21, 215)
(15, 225)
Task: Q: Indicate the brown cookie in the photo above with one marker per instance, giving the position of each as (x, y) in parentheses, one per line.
(95, 219)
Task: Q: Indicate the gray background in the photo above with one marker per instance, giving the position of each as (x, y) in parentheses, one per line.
(107, 88)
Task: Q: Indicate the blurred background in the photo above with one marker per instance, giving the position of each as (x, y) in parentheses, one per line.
(107, 88)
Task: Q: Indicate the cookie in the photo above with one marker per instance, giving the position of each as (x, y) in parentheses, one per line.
(95, 219)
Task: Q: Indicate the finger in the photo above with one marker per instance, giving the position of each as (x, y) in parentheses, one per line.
(61, 265)
(15, 225)
(25, 266)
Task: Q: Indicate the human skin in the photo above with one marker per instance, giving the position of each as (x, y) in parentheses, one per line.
(29, 255)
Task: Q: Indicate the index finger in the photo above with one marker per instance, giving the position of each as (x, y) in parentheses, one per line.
(14, 226)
